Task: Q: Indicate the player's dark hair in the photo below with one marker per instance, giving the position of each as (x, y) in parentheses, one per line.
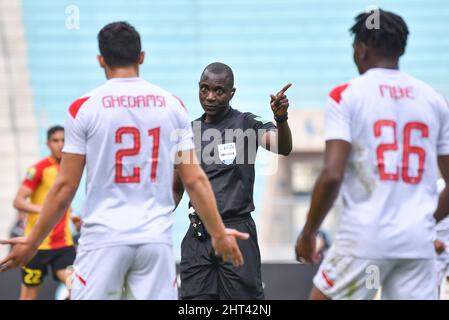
(389, 40)
(119, 44)
(219, 68)
(51, 131)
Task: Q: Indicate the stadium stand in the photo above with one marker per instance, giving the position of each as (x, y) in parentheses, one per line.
(18, 131)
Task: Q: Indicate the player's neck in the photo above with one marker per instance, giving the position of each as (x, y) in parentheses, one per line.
(126, 72)
(54, 159)
(386, 64)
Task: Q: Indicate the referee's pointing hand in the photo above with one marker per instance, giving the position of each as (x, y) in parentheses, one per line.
(279, 102)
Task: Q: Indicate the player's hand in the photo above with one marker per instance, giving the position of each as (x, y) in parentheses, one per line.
(305, 248)
(77, 222)
(439, 246)
(21, 253)
(279, 102)
(227, 247)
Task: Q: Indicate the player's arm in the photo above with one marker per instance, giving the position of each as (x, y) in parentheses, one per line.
(178, 188)
(443, 202)
(59, 197)
(324, 194)
(22, 203)
(280, 140)
(56, 203)
(203, 199)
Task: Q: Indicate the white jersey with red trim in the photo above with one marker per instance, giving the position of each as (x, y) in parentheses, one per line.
(397, 127)
(130, 131)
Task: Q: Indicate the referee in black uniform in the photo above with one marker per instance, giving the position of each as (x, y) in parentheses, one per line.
(226, 142)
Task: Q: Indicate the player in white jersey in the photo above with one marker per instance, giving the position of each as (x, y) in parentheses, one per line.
(129, 134)
(385, 134)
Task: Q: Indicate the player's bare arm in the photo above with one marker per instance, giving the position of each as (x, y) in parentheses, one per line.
(323, 196)
(279, 141)
(200, 192)
(57, 202)
(178, 188)
(443, 202)
(22, 203)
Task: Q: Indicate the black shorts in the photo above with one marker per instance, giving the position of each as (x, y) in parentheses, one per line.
(205, 274)
(34, 272)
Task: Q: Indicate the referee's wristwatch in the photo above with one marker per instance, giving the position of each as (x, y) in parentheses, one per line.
(281, 119)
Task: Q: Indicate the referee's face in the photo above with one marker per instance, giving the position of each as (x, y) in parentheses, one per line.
(216, 92)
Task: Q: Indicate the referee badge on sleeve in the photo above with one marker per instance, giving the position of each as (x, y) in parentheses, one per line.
(227, 152)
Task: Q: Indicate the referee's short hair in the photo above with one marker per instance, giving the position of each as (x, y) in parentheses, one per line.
(219, 68)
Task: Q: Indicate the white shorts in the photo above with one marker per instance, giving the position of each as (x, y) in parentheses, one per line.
(143, 272)
(348, 277)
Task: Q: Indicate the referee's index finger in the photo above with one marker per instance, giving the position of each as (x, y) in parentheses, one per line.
(285, 88)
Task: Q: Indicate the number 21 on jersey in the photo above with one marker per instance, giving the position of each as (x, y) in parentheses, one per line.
(135, 150)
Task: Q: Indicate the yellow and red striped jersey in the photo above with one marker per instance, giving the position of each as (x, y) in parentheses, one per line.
(40, 179)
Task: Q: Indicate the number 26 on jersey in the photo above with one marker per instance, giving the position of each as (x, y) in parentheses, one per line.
(421, 130)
